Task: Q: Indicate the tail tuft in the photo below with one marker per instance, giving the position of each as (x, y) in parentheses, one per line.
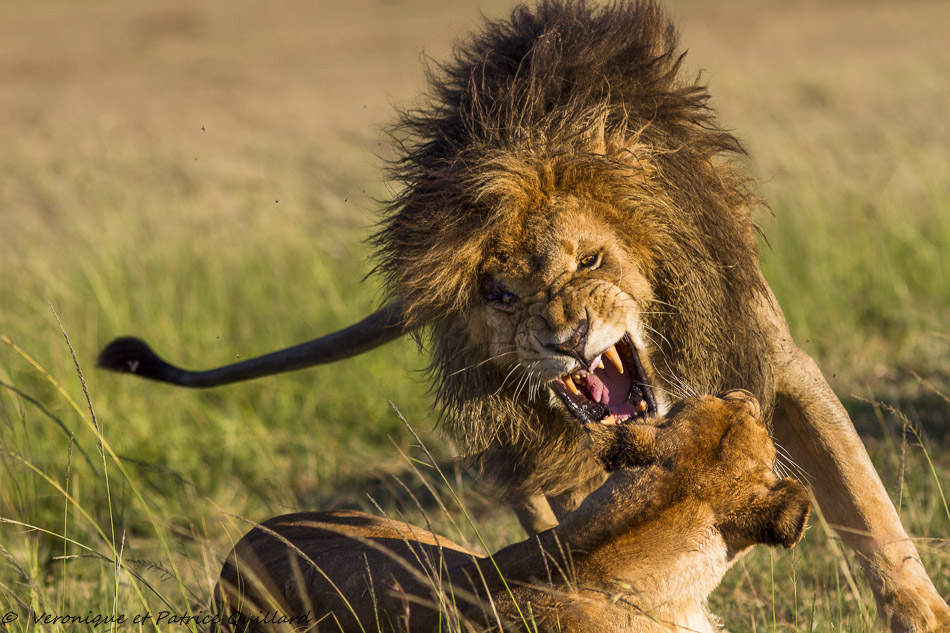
(130, 355)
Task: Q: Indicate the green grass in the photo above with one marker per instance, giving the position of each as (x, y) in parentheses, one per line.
(204, 178)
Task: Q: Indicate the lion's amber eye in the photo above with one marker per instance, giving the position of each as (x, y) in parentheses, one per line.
(498, 295)
(588, 261)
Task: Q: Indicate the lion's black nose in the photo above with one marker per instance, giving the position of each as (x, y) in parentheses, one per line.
(574, 345)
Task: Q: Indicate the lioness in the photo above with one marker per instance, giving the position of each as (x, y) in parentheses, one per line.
(642, 553)
(573, 242)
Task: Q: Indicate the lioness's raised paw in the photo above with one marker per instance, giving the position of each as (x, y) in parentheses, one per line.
(619, 446)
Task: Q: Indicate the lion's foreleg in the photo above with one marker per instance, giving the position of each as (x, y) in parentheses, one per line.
(534, 513)
(568, 501)
(813, 426)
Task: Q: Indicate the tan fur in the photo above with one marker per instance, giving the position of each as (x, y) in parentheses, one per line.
(565, 131)
(641, 554)
(560, 135)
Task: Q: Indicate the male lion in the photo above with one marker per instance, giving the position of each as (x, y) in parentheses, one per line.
(575, 242)
(704, 474)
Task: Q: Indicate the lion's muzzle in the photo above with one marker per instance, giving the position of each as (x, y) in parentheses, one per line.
(614, 388)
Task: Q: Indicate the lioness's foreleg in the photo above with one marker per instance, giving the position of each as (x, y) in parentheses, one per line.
(815, 429)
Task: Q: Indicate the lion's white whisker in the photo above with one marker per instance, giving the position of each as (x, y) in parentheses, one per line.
(479, 364)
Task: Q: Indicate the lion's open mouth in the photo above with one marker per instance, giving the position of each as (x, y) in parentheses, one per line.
(613, 389)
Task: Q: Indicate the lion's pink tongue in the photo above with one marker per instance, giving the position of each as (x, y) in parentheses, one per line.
(608, 386)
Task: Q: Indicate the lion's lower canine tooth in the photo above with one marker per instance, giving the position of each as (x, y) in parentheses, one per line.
(642, 405)
(570, 384)
(614, 357)
(610, 419)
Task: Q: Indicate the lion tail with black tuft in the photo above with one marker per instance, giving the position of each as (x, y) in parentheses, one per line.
(134, 356)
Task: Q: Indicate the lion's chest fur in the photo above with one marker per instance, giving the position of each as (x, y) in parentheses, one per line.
(555, 461)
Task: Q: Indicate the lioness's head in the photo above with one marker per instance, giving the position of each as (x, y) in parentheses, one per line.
(716, 449)
(571, 229)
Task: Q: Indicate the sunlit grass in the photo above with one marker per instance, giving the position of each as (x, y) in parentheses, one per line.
(218, 209)
(159, 545)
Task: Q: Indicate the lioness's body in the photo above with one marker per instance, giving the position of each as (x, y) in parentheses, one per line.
(565, 193)
(640, 555)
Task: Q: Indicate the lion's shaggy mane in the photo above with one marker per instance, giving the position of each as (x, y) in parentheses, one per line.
(566, 96)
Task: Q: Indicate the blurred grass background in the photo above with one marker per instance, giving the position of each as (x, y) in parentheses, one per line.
(204, 174)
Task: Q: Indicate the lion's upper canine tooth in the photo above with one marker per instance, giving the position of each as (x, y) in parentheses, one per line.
(570, 384)
(614, 357)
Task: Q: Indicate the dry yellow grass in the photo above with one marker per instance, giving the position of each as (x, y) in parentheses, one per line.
(192, 119)
(203, 174)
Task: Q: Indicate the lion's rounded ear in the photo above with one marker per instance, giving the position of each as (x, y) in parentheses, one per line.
(786, 514)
